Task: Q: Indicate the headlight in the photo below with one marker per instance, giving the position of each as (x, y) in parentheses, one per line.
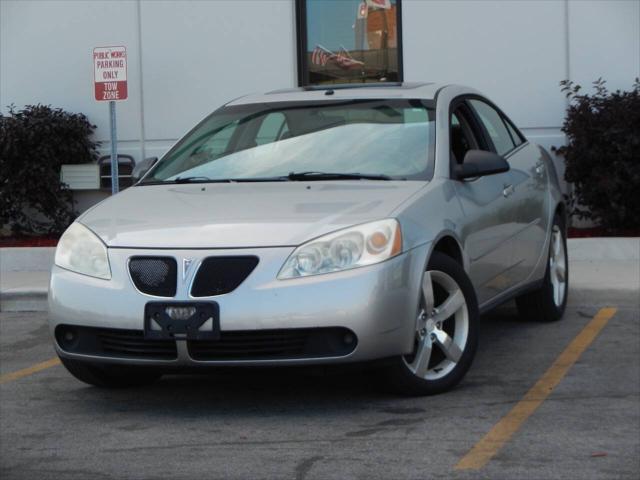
(81, 251)
(349, 248)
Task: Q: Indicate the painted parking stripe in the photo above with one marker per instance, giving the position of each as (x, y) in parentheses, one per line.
(502, 431)
(9, 377)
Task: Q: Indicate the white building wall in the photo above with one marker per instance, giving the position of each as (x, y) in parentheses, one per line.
(186, 58)
(216, 51)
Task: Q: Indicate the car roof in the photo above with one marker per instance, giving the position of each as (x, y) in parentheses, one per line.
(408, 90)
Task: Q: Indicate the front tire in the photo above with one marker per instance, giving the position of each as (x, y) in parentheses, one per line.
(110, 376)
(446, 335)
(548, 303)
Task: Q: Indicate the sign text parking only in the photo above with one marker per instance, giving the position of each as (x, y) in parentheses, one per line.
(110, 73)
(110, 85)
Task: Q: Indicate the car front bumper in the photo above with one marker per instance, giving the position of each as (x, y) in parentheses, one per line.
(378, 303)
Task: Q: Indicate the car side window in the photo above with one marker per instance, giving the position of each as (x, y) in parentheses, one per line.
(515, 136)
(494, 125)
(273, 127)
(461, 136)
(217, 143)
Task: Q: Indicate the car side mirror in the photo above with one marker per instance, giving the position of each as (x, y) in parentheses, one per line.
(142, 168)
(478, 163)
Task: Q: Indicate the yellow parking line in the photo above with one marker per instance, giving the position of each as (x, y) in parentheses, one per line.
(502, 431)
(9, 377)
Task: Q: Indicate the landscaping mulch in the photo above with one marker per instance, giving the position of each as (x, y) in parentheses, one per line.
(602, 232)
(6, 242)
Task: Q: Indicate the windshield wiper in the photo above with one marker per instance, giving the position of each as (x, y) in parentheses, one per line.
(194, 179)
(335, 176)
(259, 179)
(293, 176)
(203, 179)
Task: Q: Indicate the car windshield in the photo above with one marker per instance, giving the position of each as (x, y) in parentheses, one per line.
(370, 139)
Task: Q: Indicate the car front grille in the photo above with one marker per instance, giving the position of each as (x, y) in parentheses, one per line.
(275, 344)
(155, 276)
(111, 342)
(298, 343)
(219, 275)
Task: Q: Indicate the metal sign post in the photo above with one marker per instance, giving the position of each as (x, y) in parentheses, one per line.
(115, 184)
(110, 85)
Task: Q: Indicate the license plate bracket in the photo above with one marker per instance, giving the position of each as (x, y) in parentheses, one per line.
(182, 320)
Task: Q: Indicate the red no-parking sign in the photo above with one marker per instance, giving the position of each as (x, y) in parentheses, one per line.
(110, 73)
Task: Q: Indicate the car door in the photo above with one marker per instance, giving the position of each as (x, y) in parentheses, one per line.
(488, 213)
(527, 196)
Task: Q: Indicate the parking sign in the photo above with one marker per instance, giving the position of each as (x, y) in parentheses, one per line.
(110, 73)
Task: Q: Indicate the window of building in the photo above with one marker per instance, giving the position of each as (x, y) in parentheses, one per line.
(349, 41)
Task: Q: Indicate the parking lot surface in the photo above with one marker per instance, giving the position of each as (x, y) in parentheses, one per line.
(314, 424)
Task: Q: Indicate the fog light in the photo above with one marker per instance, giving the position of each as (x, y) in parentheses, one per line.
(67, 338)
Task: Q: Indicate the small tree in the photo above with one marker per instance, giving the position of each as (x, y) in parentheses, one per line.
(34, 143)
(602, 154)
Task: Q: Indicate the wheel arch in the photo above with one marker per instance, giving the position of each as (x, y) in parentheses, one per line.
(448, 244)
(561, 210)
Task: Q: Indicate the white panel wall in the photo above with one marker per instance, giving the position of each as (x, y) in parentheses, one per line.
(605, 42)
(198, 55)
(46, 57)
(511, 51)
(514, 52)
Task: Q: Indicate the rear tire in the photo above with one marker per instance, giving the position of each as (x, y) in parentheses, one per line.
(446, 332)
(548, 303)
(110, 376)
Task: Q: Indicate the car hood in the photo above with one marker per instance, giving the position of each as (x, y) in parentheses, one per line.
(241, 215)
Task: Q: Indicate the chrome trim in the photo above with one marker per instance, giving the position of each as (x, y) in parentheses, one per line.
(508, 190)
(186, 263)
(189, 285)
(185, 360)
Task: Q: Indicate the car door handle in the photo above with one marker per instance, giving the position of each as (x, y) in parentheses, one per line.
(508, 190)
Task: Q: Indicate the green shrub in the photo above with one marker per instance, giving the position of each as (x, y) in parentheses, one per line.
(602, 154)
(34, 143)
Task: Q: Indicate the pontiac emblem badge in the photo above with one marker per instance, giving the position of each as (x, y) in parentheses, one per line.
(186, 263)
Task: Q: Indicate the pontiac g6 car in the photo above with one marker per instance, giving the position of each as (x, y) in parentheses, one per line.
(316, 226)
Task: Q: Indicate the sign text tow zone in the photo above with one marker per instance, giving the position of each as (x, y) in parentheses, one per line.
(110, 73)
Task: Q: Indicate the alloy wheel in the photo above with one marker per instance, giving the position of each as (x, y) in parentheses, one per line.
(442, 327)
(558, 266)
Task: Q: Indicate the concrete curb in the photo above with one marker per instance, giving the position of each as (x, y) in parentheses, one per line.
(29, 300)
(26, 259)
(24, 270)
(24, 278)
(609, 248)
(24, 291)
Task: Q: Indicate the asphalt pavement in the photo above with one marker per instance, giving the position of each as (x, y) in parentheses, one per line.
(318, 424)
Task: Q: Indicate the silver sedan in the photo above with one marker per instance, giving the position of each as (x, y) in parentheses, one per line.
(315, 226)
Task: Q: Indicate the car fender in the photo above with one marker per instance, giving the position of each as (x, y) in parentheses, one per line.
(431, 215)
